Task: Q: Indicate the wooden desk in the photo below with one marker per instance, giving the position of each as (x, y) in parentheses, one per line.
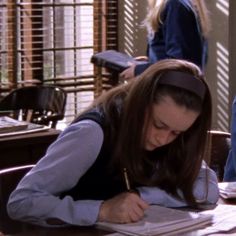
(92, 231)
(70, 231)
(25, 149)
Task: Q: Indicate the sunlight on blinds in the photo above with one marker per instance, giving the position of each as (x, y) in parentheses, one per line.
(133, 34)
(6, 39)
(222, 86)
(52, 41)
(68, 28)
(223, 109)
(223, 6)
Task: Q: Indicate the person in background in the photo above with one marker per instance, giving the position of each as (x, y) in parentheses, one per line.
(230, 167)
(176, 29)
(140, 143)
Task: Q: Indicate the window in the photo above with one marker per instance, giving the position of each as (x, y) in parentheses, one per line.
(52, 41)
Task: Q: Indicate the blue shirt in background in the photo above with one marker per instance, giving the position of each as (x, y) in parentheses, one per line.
(230, 168)
(179, 36)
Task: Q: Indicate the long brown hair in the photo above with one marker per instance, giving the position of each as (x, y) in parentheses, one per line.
(176, 165)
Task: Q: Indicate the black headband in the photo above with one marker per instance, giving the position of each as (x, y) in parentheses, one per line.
(185, 81)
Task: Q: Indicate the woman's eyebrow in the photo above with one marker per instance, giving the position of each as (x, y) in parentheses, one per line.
(160, 121)
(165, 125)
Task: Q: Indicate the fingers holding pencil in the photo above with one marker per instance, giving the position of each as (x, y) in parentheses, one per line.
(126, 207)
(123, 208)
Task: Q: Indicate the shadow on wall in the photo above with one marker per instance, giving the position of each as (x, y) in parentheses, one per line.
(218, 63)
(132, 37)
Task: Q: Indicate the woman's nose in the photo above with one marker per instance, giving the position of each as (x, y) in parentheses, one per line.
(163, 137)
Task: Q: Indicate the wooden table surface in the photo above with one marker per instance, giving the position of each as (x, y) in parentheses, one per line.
(70, 231)
(25, 149)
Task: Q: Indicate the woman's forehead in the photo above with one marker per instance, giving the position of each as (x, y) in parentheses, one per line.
(174, 116)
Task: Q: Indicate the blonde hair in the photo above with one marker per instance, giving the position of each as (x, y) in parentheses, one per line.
(155, 8)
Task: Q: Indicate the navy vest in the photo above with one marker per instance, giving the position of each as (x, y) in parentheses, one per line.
(99, 182)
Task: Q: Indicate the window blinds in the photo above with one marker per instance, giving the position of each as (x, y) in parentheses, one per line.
(52, 41)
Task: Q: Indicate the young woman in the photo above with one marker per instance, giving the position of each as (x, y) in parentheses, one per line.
(176, 29)
(149, 135)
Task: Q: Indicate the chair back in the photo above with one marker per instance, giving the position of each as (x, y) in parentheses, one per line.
(37, 104)
(221, 142)
(9, 178)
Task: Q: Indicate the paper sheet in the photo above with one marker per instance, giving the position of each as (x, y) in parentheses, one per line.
(160, 220)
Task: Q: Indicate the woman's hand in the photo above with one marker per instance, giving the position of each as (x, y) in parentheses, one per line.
(127, 74)
(141, 58)
(123, 208)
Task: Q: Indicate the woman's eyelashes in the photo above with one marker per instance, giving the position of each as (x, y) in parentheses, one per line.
(160, 126)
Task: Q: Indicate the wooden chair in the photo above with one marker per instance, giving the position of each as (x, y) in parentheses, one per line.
(6, 87)
(221, 142)
(37, 104)
(9, 178)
